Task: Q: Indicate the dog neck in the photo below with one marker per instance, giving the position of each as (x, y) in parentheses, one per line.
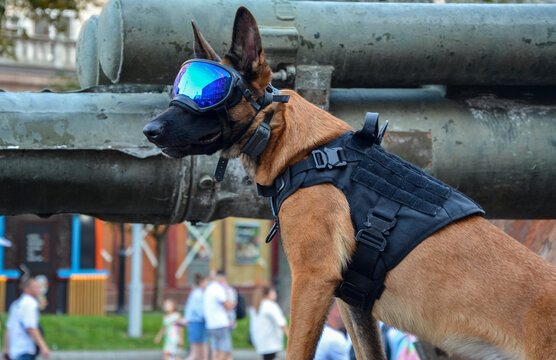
(298, 127)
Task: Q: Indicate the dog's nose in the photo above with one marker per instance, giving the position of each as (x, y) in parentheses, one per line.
(152, 130)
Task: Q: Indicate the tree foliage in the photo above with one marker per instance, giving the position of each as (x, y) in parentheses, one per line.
(49, 10)
(44, 5)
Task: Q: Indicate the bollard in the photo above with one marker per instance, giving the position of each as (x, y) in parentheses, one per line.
(85, 153)
(368, 44)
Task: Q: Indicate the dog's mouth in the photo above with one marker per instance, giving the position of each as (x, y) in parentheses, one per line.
(209, 139)
(176, 151)
(207, 144)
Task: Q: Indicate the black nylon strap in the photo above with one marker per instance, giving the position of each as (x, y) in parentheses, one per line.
(266, 191)
(258, 141)
(265, 100)
(281, 98)
(363, 280)
(222, 114)
(248, 96)
(273, 232)
(309, 163)
(358, 290)
(385, 209)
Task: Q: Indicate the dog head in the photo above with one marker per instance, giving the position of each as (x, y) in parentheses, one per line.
(180, 132)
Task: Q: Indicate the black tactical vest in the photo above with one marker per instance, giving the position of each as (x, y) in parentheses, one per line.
(394, 204)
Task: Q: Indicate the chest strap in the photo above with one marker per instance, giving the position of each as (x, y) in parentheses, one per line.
(363, 279)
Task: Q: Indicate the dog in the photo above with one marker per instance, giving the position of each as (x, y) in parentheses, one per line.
(469, 288)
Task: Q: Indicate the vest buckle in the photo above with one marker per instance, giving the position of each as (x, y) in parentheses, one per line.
(329, 157)
(372, 237)
(379, 224)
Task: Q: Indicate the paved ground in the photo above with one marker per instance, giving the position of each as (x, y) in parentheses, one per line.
(136, 355)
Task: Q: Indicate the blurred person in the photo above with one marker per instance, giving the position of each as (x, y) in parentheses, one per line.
(232, 296)
(23, 340)
(4, 243)
(212, 274)
(333, 343)
(267, 325)
(44, 284)
(171, 330)
(216, 307)
(398, 344)
(194, 319)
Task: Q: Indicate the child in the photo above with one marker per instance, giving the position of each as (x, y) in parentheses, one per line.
(171, 329)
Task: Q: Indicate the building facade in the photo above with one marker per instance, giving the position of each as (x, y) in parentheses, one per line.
(46, 246)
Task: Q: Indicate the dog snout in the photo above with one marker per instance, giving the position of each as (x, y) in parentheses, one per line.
(152, 130)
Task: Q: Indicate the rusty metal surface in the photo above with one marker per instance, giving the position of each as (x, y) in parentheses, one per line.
(495, 145)
(90, 182)
(82, 121)
(368, 44)
(416, 146)
(537, 235)
(85, 153)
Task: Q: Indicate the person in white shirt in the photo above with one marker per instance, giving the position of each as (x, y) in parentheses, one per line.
(217, 322)
(231, 295)
(195, 320)
(333, 344)
(23, 336)
(267, 324)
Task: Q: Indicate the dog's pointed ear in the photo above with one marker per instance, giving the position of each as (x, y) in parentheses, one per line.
(246, 52)
(202, 49)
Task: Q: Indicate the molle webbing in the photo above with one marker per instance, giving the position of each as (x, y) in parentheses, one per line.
(394, 204)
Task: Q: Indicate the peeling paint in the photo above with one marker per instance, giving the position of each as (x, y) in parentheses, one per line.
(308, 44)
(546, 43)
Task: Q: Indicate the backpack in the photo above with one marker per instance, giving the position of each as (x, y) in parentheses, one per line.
(241, 309)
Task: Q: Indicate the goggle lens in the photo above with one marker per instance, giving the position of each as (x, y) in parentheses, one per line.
(204, 83)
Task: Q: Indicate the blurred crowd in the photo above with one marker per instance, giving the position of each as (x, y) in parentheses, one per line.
(213, 307)
(210, 316)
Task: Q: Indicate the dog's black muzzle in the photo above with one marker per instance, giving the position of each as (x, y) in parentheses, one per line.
(179, 133)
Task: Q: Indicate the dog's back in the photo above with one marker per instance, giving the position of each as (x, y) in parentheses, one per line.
(470, 287)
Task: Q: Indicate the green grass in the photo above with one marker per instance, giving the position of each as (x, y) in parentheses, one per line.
(109, 332)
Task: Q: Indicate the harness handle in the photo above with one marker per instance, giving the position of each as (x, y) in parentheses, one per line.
(369, 133)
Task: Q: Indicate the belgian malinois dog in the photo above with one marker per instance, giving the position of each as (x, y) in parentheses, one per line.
(469, 288)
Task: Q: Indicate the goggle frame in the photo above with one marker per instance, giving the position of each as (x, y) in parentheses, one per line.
(228, 101)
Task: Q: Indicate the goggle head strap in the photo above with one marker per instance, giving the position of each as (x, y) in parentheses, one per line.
(248, 96)
(258, 141)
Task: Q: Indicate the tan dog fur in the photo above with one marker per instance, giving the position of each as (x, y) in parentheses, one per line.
(469, 288)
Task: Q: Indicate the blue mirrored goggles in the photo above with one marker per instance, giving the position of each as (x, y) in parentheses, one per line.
(202, 85)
